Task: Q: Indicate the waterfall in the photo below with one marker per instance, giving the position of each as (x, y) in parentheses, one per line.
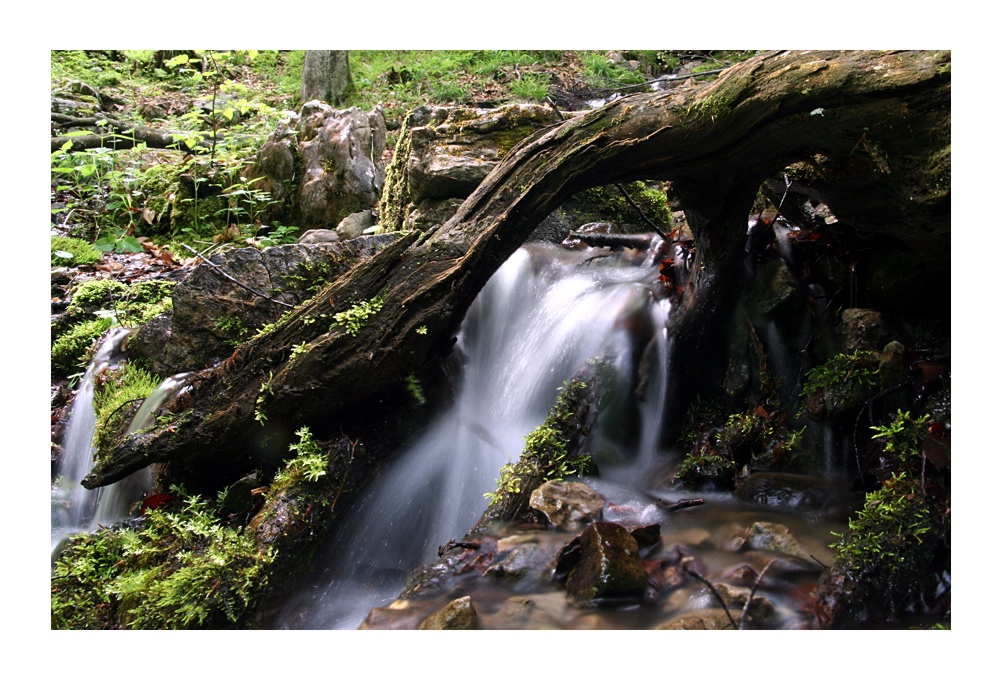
(76, 509)
(542, 315)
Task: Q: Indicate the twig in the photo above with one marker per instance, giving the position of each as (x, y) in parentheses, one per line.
(710, 587)
(681, 504)
(639, 210)
(816, 561)
(218, 269)
(753, 591)
(555, 108)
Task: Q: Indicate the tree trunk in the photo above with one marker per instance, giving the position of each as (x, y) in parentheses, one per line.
(717, 143)
(326, 75)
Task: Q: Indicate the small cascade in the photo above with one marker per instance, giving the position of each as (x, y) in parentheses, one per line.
(76, 509)
(544, 314)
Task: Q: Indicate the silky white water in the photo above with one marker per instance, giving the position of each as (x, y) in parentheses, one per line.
(542, 316)
(76, 509)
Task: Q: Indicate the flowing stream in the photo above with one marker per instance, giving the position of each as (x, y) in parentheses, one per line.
(76, 509)
(543, 315)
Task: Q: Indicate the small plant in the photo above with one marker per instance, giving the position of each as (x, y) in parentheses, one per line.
(415, 389)
(310, 462)
(265, 389)
(353, 319)
(531, 87)
(233, 326)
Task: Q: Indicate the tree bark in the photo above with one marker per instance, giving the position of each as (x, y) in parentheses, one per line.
(716, 143)
(326, 75)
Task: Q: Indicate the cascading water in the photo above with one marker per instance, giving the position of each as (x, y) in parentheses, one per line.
(540, 317)
(76, 509)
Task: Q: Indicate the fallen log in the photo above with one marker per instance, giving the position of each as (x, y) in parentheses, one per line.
(368, 330)
(121, 135)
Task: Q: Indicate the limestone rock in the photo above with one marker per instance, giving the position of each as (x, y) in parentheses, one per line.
(354, 225)
(445, 152)
(341, 157)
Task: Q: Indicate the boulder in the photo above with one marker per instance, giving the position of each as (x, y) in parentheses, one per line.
(341, 155)
(567, 505)
(212, 313)
(321, 165)
(445, 152)
(704, 619)
(863, 330)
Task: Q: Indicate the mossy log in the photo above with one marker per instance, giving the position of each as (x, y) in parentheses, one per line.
(868, 121)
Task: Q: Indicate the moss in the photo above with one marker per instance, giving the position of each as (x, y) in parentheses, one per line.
(71, 348)
(117, 396)
(66, 251)
(178, 568)
(650, 198)
(842, 382)
(546, 455)
(112, 302)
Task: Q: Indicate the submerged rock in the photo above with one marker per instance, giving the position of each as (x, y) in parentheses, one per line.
(456, 615)
(807, 492)
(774, 537)
(704, 619)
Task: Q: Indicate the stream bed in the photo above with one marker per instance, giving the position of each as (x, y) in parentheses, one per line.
(545, 313)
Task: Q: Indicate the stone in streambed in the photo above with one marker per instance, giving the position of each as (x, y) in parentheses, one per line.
(456, 615)
(609, 567)
(567, 505)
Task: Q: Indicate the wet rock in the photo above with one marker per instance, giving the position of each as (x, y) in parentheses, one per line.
(808, 492)
(567, 505)
(528, 560)
(456, 615)
(741, 575)
(760, 613)
(863, 329)
(704, 619)
(515, 613)
(399, 615)
(609, 567)
(774, 537)
(893, 371)
(776, 292)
